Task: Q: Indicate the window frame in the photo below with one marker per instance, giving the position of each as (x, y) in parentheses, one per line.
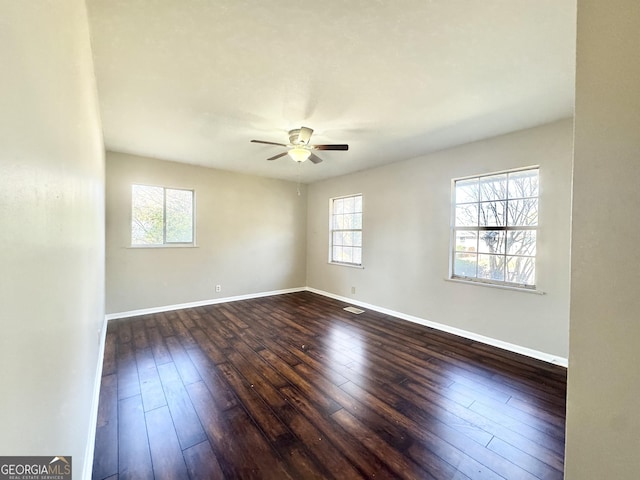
(165, 243)
(332, 230)
(506, 228)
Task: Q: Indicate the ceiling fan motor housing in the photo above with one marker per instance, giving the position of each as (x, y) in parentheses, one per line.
(294, 137)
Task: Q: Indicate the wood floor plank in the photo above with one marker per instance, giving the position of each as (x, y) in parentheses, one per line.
(128, 381)
(292, 386)
(302, 383)
(267, 391)
(270, 424)
(361, 458)
(538, 430)
(182, 361)
(221, 392)
(105, 459)
(208, 347)
(124, 331)
(158, 346)
(325, 452)
(110, 364)
(166, 454)
(547, 448)
(182, 332)
(260, 365)
(139, 334)
(164, 325)
(396, 462)
(202, 463)
(527, 462)
(150, 384)
(187, 424)
(134, 457)
(240, 448)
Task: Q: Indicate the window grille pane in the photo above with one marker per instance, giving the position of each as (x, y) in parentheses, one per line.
(147, 215)
(492, 214)
(523, 213)
(491, 267)
(357, 256)
(492, 241)
(467, 191)
(493, 187)
(521, 270)
(523, 184)
(466, 241)
(347, 238)
(358, 204)
(465, 264)
(349, 205)
(179, 220)
(467, 215)
(357, 238)
(338, 206)
(342, 254)
(347, 221)
(521, 242)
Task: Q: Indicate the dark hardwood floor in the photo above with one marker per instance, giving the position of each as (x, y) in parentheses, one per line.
(294, 387)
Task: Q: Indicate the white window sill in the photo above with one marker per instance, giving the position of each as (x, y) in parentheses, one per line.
(346, 265)
(493, 285)
(168, 245)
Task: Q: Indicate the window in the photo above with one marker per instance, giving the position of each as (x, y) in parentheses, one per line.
(161, 216)
(495, 224)
(345, 244)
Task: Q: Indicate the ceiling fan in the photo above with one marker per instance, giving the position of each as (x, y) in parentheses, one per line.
(299, 148)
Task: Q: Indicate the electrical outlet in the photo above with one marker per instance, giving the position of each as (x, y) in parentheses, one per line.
(353, 290)
(218, 288)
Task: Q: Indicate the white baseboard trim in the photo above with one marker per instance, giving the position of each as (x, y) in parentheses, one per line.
(554, 359)
(87, 470)
(201, 303)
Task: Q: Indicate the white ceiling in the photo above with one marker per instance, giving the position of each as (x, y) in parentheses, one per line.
(195, 80)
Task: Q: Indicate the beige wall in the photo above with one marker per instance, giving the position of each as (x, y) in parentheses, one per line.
(603, 425)
(52, 235)
(406, 240)
(250, 232)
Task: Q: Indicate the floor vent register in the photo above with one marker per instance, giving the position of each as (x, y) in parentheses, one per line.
(355, 310)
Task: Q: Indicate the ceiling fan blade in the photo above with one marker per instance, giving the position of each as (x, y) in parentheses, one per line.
(304, 135)
(314, 158)
(330, 147)
(270, 143)
(275, 157)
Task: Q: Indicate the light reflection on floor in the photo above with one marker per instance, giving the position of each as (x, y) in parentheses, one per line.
(346, 352)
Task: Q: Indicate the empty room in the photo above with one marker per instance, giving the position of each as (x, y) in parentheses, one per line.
(320, 240)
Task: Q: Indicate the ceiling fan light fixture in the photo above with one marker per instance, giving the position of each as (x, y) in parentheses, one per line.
(299, 154)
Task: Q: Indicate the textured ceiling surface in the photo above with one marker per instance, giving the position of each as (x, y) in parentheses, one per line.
(195, 80)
